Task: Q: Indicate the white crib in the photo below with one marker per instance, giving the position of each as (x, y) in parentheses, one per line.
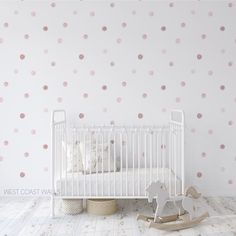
(115, 161)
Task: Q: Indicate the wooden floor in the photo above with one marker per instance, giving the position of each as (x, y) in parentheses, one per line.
(31, 216)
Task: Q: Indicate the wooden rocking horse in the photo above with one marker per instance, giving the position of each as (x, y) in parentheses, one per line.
(175, 213)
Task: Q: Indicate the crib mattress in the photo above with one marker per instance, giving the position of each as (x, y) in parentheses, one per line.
(126, 182)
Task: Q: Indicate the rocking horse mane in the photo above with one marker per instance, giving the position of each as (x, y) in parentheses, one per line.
(156, 189)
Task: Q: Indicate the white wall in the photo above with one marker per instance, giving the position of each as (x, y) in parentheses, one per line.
(204, 84)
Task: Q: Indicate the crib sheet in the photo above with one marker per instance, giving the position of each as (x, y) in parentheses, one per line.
(125, 183)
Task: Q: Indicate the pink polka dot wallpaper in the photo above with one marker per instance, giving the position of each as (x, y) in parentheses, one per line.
(117, 62)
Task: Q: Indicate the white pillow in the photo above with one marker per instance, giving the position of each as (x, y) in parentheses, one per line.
(94, 163)
(73, 157)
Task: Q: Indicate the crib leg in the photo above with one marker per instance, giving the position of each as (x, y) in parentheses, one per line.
(52, 206)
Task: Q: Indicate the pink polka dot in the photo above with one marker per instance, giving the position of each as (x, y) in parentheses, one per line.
(183, 83)
(92, 72)
(151, 13)
(222, 28)
(65, 24)
(151, 72)
(203, 36)
(119, 40)
(33, 72)
(6, 25)
(203, 95)
(144, 95)
(171, 63)
(5, 143)
(65, 84)
(1, 99)
(15, 130)
(85, 36)
(45, 87)
(222, 87)
(22, 174)
(199, 115)
(92, 13)
(104, 87)
(210, 72)
(203, 154)
(22, 115)
(183, 24)
(45, 169)
(33, 13)
(45, 28)
(199, 56)
(104, 28)
(140, 56)
(230, 123)
(230, 63)
(85, 95)
(177, 40)
(26, 36)
(230, 4)
(59, 40)
(26, 95)
(199, 174)
(230, 181)
(59, 99)
(45, 146)
(53, 63)
(124, 24)
(119, 99)
(1, 40)
(124, 83)
(26, 154)
(81, 115)
(171, 4)
(112, 63)
(140, 115)
(163, 87)
(210, 131)
(33, 131)
(5, 84)
(112, 4)
(1, 158)
(53, 4)
(222, 146)
(178, 99)
(144, 36)
(22, 56)
(163, 28)
(81, 56)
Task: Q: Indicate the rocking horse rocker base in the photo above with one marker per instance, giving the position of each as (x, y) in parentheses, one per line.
(182, 222)
(182, 207)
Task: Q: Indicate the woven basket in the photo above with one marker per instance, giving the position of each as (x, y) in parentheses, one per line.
(101, 206)
(72, 206)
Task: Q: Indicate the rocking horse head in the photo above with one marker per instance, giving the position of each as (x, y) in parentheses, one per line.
(154, 189)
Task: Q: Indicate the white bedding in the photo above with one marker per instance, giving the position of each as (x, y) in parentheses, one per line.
(114, 183)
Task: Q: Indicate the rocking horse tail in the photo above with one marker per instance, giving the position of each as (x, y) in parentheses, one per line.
(192, 192)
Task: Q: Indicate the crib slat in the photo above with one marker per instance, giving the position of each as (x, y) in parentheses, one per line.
(126, 158)
(102, 134)
(90, 166)
(114, 176)
(138, 143)
(145, 157)
(121, 164)
(96, 155)
(85, 163)
(133, 161)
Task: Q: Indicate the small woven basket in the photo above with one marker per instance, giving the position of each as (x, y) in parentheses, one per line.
(101, 206)
(72, 206)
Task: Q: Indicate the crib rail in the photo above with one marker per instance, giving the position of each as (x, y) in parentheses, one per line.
(116, 161)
